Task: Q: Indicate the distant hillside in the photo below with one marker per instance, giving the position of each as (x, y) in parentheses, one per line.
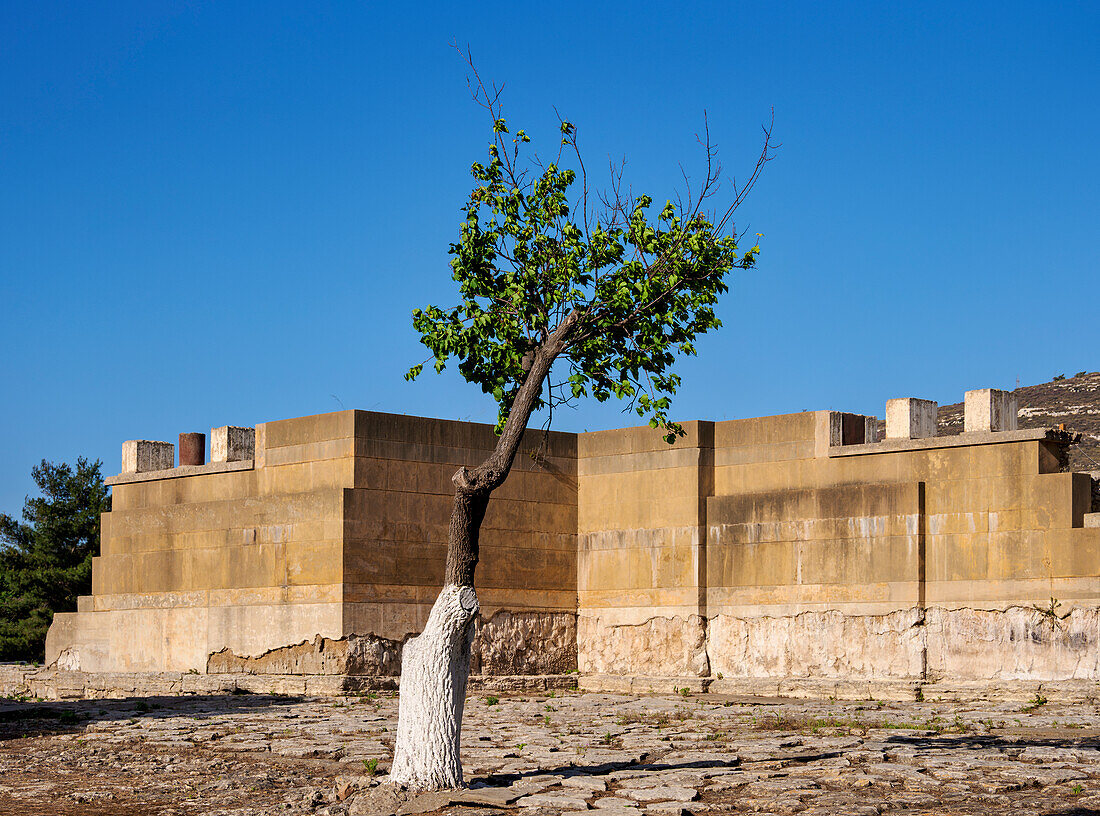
(1074, 401)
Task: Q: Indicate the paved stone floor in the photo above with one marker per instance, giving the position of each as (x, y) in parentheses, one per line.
(549, 754)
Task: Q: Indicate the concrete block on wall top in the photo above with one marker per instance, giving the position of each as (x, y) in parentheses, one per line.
(232, 444)
(911, 418)
(989, 409)
(142, 455)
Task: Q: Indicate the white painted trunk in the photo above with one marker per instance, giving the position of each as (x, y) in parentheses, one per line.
(434, 668)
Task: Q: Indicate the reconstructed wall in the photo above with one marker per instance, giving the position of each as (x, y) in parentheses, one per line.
(336, 529)
(642, 551)
(398, 512)
(909, 558)
(778, 547)
(195, 564)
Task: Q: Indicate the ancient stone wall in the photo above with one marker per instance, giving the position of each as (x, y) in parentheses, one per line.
(323, 552)
(641, 568)
(508, 643)
(812, 549)
(797, 546)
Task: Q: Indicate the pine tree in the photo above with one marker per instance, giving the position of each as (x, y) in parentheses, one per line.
(46, 559)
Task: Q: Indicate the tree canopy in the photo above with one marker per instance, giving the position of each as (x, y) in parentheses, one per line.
(563, 293)
(538, 248)
(46, 559)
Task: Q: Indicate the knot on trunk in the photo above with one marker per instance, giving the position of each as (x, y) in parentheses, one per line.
(455, 607)
(462, 480)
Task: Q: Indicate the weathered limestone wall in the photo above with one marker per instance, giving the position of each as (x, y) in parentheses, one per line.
(820, 552)
(661, 646)
(398, 511)
(818, 644)
(641, 581)
(854, 548)
(334, 537)
(796, 546)
(193, 564)
(509, 643)
(1018, 643)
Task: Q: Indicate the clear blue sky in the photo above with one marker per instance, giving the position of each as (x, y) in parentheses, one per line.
(223, 213)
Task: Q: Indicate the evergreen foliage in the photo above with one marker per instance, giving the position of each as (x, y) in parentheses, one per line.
(46, 559)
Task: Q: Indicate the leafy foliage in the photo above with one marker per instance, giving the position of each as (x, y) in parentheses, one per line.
(641, 282)
(46, 559)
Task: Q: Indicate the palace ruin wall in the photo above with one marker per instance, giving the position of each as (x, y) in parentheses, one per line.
(776, 548)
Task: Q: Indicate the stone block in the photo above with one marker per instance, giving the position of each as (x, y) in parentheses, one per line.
(192, 448)
(989, 409)
(142, 455)
(870, 429)
(302, 430)
(232, 444)
(911, 418)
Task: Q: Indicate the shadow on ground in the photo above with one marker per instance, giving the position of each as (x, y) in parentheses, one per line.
(996, 741)
(20, 718)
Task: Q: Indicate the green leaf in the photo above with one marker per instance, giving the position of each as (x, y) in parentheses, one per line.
(646, 287)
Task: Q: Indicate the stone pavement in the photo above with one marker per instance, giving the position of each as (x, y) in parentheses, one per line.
(527, 755)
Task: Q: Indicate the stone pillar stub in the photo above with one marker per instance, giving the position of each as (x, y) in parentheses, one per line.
(989, 409)
(833, 428)
(143, 455)
(192, 449)
(827, 431)
(232, 444)
(911, 418)
(870, 430)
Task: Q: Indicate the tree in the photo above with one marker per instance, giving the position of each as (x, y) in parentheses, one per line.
(560, 298)
(46, 559)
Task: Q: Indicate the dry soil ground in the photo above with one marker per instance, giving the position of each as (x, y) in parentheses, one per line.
(554, 754)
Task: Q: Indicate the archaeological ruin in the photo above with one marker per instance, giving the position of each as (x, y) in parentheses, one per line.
(755, 553)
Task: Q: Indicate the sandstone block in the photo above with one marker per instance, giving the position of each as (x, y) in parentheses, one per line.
(232, 444)
(142, 455)
(911, 418)
(989, 409)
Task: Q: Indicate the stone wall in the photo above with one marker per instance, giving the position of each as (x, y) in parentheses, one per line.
(795, 546)
(641, 561)
(822, 644)
(1018, 643)
(509, 643)
(661, 646)
(800, 546)
(927, 645)
(324, 552)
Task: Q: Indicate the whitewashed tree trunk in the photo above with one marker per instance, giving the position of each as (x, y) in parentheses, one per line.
(435, 666)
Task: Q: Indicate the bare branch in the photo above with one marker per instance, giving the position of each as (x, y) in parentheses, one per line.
(765, 156)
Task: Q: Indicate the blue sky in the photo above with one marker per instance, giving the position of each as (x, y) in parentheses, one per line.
(223, 213)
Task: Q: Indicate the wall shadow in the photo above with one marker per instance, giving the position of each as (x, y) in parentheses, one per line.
(23, 718)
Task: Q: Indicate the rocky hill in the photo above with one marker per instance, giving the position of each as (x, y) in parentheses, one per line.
(1072, 401)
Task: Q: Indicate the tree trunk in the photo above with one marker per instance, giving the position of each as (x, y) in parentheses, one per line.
(435, 664)
(434, 668)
